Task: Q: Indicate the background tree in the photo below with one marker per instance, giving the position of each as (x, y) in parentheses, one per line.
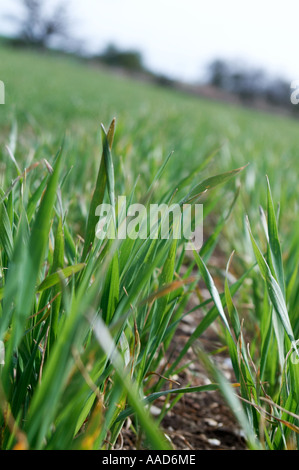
(128, 59)
(249, 83)
(39, 25)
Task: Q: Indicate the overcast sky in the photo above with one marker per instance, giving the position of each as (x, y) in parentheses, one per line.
(179, 38)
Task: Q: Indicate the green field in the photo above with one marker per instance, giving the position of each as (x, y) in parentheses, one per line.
(67, 298)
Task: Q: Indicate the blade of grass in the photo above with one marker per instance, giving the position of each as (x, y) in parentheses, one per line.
(210, 183)
(6, 237)
(211, 288)
(55, 278)
(274, 241)
(98, 196)
(274, 291)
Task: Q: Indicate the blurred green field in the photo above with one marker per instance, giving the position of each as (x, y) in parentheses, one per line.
(54, 99)
(49, 97)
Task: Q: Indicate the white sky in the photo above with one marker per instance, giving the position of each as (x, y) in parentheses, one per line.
(179, 37)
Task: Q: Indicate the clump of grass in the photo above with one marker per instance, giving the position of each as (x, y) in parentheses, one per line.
(68, 299)
(84, 325)
(267, 367)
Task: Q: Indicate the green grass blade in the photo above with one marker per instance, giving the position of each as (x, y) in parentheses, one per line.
(211, 288)
(98, 196)
(174, 391)
(6, 237)
(55, 278)
(109, 169)
(210, 183)
(274, 291)
(274, 241)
